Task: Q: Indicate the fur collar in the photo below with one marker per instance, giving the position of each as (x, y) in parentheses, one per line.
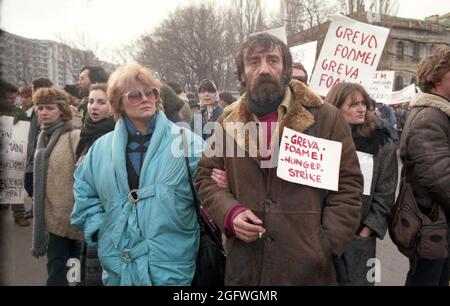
(297, 117)
(430, 100)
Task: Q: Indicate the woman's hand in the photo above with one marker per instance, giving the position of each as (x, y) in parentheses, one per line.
(220, 177)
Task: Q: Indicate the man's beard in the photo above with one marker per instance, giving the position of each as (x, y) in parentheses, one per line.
(264, 91)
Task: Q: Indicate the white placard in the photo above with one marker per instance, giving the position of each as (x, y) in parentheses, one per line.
(309, 160)
(366, 165)
(13, 159)
(305, 54)
(280, 33)
(351, 52)
(403, 96)
(381, 88)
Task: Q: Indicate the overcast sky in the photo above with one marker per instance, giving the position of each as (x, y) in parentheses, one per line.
(108, 24)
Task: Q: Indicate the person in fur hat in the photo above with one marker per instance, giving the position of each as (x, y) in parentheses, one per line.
(54, 164)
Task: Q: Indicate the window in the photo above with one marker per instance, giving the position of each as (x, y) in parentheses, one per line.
(416, 52)
(400, 50)
(398, 83)
(432, 49)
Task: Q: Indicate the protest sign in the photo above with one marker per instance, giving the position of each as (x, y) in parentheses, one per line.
(305, 54)
(403, 96)
(350, 53)
(309, 160)
(366, 165)
(381, 88)
(13, 156)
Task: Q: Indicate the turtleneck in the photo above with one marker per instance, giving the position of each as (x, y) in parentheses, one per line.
(262, 110)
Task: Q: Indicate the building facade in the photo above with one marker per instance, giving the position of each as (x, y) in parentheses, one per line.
(409, 41)
(24, 59)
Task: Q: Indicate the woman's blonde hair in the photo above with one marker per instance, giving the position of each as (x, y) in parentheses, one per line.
(56, 96)
(123, 80)
(339, 93)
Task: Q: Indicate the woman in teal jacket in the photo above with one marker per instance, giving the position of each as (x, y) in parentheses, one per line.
(132, 193)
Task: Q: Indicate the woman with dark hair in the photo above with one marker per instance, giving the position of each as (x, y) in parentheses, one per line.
(211, 111)
(99, 121)
(379, 156)
(54, 163)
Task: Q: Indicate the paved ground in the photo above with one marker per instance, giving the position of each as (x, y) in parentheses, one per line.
(20, 268)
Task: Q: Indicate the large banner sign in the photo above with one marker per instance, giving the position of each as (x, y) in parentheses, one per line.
(13, 159)
(350, 53)
(381, 88)
(305, 54)
(403, 96)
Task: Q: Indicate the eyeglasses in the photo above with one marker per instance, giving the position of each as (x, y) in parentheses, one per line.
(135, 96)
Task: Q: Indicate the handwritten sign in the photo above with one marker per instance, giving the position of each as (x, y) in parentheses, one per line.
(305, 54)
(366, 165)
(403, 96)
(350, 53)
(13, 157)
(309, 160)
(381, 88)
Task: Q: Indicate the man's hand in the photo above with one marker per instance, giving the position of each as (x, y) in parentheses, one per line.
(247, 226)
(366, 232)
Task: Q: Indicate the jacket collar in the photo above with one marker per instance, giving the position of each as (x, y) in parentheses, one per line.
(297, 116)
(431, 100)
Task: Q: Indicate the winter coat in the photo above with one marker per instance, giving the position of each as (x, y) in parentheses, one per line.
(59, 196)
(297, 247)
(425, 150)
(153, 241)
(376, 207)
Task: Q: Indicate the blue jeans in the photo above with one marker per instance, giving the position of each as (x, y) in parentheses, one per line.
(60, 250)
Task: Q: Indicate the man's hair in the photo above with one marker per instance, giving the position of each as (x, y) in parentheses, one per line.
(8, 87)
(25, 91)
(227, 97)
(207, 85)
(73, 90)
(267, 42)
(176, 87)
(339, 93)
(96, 74)
(432, 69)
(298, 65)
(41, 83)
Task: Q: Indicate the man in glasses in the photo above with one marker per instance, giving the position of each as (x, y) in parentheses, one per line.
(278, 232)
(299, 73)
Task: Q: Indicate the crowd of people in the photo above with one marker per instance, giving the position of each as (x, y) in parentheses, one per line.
(108, 187)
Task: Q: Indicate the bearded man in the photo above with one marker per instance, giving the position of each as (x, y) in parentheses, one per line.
(278, 232)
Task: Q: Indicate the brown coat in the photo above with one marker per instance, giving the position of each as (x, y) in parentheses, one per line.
(425, 150)
(296, 249)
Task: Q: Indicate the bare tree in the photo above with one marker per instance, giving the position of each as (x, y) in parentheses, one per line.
(300, 15)
(198, 42)
(348, 7)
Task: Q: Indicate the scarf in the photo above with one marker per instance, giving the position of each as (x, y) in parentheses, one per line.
(370, 144)
(46, 142)
(91, 132)
(262, 110)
